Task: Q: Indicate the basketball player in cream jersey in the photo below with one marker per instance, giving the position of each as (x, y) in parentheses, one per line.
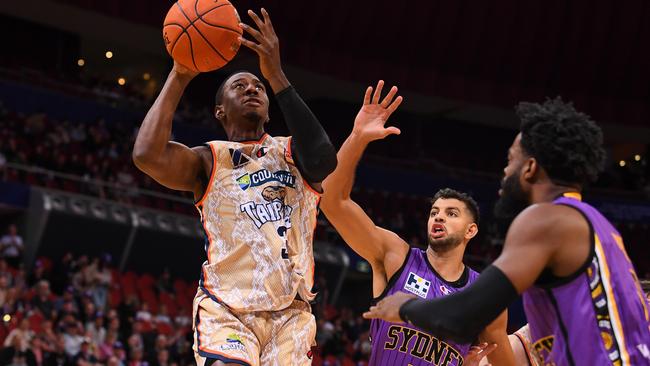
(258, 197)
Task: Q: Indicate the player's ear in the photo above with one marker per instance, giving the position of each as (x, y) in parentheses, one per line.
(472, 230)
(530, 169)
(218, 112)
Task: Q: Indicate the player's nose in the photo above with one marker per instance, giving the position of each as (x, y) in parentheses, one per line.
(251, 89)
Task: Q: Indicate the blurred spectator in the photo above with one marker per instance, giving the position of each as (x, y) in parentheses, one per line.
(164, 283)
(4, 288)
(73, 338)
(20, 337)
(98, 277)
(11, 247)
(85, 357)
(43, 300)
(38, 274)
(96, 330)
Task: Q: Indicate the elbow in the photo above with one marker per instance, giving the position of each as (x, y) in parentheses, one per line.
(140, 158)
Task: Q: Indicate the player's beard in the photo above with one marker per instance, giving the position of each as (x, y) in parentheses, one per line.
(445, 244)
(513, 200)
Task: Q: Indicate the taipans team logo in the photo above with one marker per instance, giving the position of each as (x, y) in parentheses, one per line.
(417, 285)
(233, 342)
(273, 210)
(274, 193)
(263, 176)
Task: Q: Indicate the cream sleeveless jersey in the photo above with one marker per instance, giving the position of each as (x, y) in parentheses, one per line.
(259, 218)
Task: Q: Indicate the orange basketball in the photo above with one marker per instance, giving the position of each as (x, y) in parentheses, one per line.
(202, 35)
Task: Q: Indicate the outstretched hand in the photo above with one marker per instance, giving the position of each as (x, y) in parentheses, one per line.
(373, 115)
(267, 48)
(388, 308)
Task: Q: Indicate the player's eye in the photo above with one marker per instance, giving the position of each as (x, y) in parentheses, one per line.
(239, 86)
(260, 87)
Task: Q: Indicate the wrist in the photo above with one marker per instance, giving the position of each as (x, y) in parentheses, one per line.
(278, 82)
(359, 138)
(403, 311)
(182, 78)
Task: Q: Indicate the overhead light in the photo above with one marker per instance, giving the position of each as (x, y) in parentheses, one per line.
(81, 62)
(637, 157)
(6, 318)
(121, 81)
(621, 163)
(109, 54)
(146, 76)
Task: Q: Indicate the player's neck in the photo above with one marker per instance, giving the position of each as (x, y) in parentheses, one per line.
(550, 192)
(244, 134)
(448, 264)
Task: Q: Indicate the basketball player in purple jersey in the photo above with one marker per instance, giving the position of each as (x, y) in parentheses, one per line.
(582, 297)
(396, 267)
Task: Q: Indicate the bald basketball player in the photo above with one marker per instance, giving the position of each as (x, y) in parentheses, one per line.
(257, 196)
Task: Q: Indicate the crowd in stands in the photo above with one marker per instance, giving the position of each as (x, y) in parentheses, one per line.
(81, 311)
(97, 156)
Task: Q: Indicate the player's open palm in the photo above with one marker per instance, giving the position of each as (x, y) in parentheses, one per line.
(370, 123)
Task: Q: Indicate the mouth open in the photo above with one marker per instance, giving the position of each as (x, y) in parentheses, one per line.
(438, 231)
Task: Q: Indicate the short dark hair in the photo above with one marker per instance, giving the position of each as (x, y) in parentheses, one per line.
(470, 203)
(565, 142)
(219, 95)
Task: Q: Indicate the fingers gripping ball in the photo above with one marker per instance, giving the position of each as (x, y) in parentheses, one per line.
(202, 35)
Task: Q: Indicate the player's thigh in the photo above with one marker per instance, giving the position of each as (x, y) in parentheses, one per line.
(220, 336)
(292, 337)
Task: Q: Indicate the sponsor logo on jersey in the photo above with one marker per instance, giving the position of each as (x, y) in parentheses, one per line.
(417, 285)
(444, 290)
(263, 176)
(233, 343)
(262, 151)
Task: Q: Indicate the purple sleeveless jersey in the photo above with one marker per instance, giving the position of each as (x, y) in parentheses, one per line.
(599, 316)
(402, 344)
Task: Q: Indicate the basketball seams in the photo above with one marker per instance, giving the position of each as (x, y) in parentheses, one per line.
(199, 32)
(171, 49)
(180, 18)
(192, 51)
(200, 16)
(216, 26)
(196, 8)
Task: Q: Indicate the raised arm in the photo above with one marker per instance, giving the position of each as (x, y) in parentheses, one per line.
(171, 164)
(352, 223)
(536, 240)
(314, 154)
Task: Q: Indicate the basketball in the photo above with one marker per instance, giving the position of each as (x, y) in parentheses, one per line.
(202, 35)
